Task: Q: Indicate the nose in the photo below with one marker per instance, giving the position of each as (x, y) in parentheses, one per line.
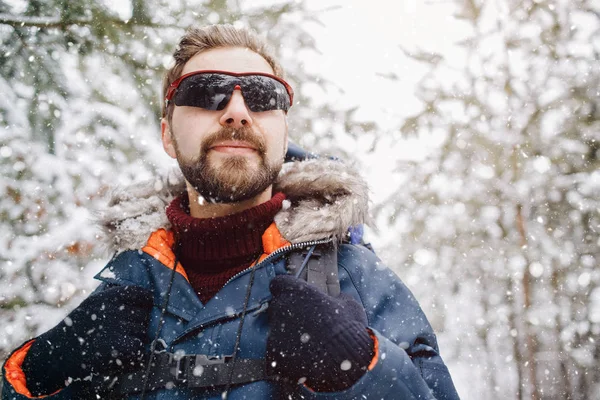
(236, 114)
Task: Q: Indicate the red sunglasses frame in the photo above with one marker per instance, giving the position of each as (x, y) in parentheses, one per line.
(173, 86)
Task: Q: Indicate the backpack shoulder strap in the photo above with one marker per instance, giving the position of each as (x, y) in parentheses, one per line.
(318, 266)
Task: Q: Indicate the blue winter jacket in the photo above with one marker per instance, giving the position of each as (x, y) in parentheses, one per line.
(407, 364)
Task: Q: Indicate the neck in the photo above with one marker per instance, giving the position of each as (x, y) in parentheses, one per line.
(214, 210)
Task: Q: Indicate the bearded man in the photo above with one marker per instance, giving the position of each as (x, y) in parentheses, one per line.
(239, 279)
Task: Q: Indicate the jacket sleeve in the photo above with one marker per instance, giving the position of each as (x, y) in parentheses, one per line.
(407, 364)
(14, 381)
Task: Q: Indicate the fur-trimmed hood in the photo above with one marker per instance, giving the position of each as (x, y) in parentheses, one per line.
(323, 199)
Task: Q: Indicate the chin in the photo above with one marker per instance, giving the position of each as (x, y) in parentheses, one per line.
(236, 162)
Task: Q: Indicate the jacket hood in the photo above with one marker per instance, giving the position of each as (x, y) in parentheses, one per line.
(323, 199)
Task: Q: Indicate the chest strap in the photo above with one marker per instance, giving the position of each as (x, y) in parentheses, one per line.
(194, 371)
(318, 266)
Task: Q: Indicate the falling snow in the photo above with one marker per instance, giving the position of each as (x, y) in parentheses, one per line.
(486, 190)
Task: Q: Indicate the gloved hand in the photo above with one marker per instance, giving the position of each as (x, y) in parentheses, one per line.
(104, 335)
(316, 336)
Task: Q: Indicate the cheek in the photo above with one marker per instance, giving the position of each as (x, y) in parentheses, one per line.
(274, 129)
(190, 125)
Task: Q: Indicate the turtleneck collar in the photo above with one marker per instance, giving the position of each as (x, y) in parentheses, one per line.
(213, 245)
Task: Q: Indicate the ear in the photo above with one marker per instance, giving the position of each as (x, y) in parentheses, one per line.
(167, 138)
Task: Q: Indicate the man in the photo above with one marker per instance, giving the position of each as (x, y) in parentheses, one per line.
(204, 300)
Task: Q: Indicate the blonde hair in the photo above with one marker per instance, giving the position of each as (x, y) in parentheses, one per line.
(197, 40)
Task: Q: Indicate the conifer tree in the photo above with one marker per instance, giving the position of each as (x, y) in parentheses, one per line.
(501, 221)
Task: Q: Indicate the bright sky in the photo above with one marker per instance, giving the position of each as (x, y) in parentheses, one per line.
(361, 41)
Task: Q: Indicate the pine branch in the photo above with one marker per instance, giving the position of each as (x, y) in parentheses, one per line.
(53, 22)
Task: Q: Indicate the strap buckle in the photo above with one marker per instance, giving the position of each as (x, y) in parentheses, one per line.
(186, 365)
(203, 359)
(180, 367)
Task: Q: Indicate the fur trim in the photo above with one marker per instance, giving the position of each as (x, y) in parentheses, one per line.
(327, 197)
(324, 198)
(133, 213)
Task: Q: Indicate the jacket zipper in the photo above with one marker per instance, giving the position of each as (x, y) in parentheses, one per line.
(281, 250)
(274, 254)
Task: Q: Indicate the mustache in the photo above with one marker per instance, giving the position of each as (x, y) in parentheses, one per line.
(241, 134)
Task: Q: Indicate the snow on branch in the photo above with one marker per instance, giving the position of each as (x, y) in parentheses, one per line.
(56, 22)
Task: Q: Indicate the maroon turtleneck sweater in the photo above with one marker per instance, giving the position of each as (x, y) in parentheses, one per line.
(212, 250)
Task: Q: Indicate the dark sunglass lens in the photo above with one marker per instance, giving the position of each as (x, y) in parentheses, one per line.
(262, 93)
(207, 91)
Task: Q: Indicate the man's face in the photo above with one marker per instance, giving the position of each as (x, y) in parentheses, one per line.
(233, 154)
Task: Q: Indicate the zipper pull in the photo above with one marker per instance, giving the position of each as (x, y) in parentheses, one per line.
(263, 307)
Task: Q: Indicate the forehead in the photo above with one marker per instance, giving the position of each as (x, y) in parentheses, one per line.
(231, 59)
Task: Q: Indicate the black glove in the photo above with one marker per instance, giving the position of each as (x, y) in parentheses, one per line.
(104, 335)
(316, 336)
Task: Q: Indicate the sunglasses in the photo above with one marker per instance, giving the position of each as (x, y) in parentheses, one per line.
(212, 90)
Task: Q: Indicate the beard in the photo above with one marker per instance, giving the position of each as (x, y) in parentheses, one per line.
(235, 179)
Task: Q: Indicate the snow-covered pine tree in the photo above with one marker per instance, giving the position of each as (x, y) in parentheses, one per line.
(499, 225)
